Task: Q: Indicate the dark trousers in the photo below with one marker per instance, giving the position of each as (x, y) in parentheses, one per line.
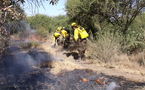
(82, 48)
(66, 42)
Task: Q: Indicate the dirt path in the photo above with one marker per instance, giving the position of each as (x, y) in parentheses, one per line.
(69, 64)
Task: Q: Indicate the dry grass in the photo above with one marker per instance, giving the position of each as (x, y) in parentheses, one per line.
(139, 58)
(67, 65)
(121, 65)
(107, 49)
(133, 64)
(104, 48)
(106, 53)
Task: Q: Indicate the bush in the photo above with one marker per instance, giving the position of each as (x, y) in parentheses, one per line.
(106, 46)
(134, 40)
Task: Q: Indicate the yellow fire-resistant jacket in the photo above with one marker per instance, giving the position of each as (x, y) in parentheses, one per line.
(80, 33)
(64, 33)
(56, 34)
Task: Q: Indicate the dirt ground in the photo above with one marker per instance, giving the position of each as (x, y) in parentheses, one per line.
(25, 70)
(128, 72)
(133, 73)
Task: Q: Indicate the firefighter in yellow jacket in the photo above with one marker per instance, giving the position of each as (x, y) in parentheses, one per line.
(80, 36)
(57, 35)
(64, 32)
(66, 37)
(62, 37)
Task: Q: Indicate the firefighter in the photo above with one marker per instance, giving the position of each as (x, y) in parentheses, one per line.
(80, 37)
(66, 37)
(57, 35)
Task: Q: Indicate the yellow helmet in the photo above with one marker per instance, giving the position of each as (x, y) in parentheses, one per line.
(74, 24)
(59, 28)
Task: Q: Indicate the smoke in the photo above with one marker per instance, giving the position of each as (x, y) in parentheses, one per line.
(22, 28)
(18, 61)
(27, 30)
(112, 86)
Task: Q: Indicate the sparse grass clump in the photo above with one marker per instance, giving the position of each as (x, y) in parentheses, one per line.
(29, 45)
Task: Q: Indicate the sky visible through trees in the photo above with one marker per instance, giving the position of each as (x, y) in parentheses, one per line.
(46, 9)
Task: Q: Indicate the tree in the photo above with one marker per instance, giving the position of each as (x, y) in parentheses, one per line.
(10, 10)
(120, 13)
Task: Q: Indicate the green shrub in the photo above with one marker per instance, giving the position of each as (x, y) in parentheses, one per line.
(134, 40)
(44, 24)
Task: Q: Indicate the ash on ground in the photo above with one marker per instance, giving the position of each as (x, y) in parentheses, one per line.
(20, 70)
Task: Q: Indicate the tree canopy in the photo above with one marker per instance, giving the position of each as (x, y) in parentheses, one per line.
(113, 16)
(10, 10)
(120, 13)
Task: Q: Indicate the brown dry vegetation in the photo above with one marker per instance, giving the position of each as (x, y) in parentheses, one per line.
(115, 63)
(119, 65)
(108, 50)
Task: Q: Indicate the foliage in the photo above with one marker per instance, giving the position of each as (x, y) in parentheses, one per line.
(119, 13)
(60, 21)
(14, 27)
(10, 10)
(42, 32)
(39, 21)
(115, 16)
(135, 38)
(45, 24)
